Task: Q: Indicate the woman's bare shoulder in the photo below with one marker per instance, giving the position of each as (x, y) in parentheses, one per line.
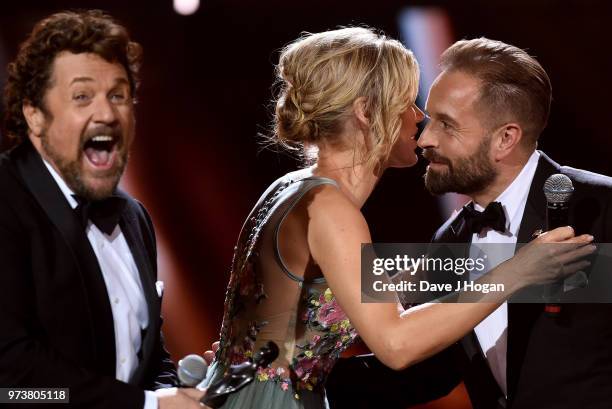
(329, 208)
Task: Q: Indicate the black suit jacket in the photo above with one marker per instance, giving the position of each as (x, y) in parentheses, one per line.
(56, 324)
(561, 364)
(551, 363)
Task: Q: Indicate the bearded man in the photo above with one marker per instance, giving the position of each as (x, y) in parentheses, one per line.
(80, 307)
(486, 111)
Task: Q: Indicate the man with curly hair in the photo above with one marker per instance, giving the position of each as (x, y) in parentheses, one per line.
(80, 307)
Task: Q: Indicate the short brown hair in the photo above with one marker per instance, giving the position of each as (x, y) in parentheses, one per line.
(89, 31)
(513, 82)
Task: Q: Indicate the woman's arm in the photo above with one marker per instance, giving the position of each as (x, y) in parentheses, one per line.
(337, 229)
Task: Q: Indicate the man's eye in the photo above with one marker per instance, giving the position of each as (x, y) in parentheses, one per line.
(80, 97)
(445, 125)
(120, 97)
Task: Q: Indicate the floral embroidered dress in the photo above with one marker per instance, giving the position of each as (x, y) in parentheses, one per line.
(267, 302)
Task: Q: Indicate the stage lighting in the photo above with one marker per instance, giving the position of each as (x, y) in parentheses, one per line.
(186, 7)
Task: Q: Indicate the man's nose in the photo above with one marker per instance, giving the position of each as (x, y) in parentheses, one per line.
(427, 138)
(105, 112)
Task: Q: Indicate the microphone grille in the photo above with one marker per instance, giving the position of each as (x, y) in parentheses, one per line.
(558, 188)
(192, 370)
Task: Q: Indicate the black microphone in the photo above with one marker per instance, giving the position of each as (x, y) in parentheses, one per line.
(558, 190)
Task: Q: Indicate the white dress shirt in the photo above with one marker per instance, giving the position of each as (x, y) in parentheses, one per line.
(126, 296)
(492, 331)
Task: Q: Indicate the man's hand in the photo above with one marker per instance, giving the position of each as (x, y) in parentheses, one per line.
(209, 356)
(180, 398)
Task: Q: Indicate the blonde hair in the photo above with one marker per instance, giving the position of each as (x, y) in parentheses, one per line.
(321, 75)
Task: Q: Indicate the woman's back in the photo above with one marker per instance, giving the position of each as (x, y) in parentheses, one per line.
(267, 301)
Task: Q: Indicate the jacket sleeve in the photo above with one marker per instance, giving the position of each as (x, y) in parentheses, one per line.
(163, 370)
(364, 382)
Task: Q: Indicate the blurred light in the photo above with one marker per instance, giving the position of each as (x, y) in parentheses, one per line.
(427, 31)
(186, 7)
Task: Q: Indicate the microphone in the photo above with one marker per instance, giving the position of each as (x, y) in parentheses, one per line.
(558, 190)
(192, 370)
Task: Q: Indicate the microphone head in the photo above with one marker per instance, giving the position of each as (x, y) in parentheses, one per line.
(192, 370)
(558, 188)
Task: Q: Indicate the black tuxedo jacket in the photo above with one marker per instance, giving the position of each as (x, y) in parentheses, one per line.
(56, 324)
(551, 363)
(563, 363)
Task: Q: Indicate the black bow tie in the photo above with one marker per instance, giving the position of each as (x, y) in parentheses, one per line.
(493, 216)
(105, 213)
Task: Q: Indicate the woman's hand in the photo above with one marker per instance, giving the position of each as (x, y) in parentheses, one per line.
(209, 356)
(180, 398)
(552, 256)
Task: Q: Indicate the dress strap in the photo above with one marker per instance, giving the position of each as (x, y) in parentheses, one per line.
(309, 183)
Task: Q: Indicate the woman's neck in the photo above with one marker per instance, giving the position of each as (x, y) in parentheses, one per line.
(356, 180)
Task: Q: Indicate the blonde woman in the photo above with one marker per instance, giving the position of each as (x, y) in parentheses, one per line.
(347, 102)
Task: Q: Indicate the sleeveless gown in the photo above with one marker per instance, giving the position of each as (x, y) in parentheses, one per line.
(267, 302)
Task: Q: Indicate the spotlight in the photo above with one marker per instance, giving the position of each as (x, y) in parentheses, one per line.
(186, 7)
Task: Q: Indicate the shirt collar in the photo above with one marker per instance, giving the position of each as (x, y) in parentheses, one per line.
(513, 199)
(68, 193)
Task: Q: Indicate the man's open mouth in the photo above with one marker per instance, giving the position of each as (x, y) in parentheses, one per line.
(101, 151)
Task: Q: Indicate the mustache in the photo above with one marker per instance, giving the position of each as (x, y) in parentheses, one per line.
(433, 156)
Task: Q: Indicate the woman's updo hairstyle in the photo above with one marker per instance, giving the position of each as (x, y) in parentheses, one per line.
(321, 75)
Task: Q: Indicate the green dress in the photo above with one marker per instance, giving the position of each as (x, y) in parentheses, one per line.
(267, 302)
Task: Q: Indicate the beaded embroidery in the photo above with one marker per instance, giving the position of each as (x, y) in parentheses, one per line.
(329, 330)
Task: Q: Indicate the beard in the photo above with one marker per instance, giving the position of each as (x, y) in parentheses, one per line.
(71, 170)
(463, 175)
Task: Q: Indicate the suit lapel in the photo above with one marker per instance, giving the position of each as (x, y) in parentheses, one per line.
(53, 203)
(469, 342)
(134, 238)
(456, 232)
(521, 317)
(534, 217)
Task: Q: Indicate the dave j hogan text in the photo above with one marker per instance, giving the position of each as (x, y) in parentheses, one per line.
(423, 285)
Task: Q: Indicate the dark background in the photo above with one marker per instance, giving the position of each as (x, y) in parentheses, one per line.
(205, 96)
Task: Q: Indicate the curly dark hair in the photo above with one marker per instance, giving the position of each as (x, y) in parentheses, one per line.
(87, 31)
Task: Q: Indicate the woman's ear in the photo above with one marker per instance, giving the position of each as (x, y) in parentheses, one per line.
(361, 113)
(35, 119)
(362, 122)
